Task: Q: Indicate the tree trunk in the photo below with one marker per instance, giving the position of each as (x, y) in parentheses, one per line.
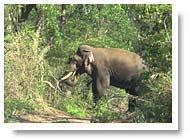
(25, 11)
(38, 29)
(62, 19)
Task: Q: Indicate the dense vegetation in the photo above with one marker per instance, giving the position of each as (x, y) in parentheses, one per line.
(38, 43)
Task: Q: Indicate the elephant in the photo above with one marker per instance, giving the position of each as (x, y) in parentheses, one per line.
(106, 66)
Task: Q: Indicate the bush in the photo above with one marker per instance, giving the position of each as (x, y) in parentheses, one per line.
(156, 105)
(74, 105)
(15, 107)
(112, 106)
(23, 77)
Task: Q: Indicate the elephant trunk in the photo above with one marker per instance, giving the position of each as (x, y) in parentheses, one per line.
(72, 82)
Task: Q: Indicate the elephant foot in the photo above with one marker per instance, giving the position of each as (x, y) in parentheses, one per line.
(131, 107)
(131, 103)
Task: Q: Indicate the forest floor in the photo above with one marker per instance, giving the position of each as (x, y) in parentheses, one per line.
(51, 115)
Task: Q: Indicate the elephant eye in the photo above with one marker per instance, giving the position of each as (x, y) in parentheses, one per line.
(73, 61)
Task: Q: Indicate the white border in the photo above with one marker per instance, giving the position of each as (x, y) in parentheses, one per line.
(100, 126)
(2, 64)
(91, 126)
(175, 100)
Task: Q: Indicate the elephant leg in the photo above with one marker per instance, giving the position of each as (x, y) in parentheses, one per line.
(131, 104)
(131, 88)
(95, 92)
(99, 87)
(132, 94)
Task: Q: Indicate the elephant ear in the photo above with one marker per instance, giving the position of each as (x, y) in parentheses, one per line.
(86, 53)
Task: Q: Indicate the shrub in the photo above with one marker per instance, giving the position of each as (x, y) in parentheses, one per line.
(15, 107)
(74, 106)
(155, 106)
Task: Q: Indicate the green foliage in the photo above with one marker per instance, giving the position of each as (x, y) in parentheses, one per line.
(74, 105)
(103, 114)
(22, 67)
(111, 106)
(155, 105)
(79, 103)
(161, 95)
(142, 28)
(14, 107)
(23, 76)
(154, 23)
(51, 14)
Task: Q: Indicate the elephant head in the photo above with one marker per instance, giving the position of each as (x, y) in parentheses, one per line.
(80, 63)
(86, 54)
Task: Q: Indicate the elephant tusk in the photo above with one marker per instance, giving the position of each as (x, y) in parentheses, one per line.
(75, 78)
(66, 76)
(91, 58)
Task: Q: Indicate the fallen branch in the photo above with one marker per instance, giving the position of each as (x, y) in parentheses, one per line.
(57, 84)
(49, 84)
(73, 120)
(46, 118)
